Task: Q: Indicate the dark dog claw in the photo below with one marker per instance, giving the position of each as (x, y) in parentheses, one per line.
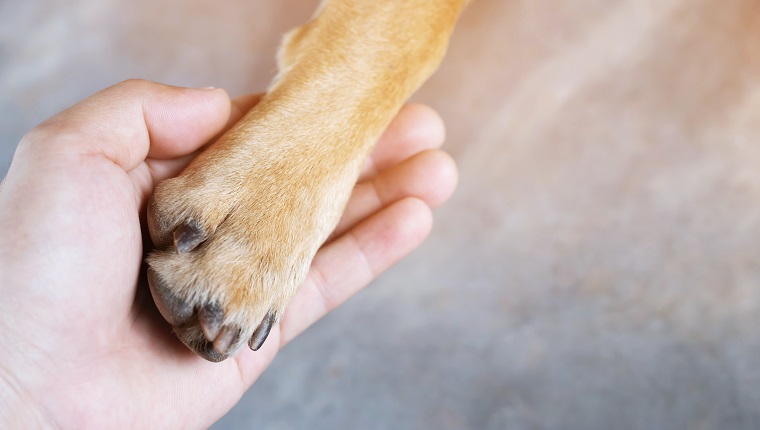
(188, 236)
(210, 318)
(227, 336)
(262, 331)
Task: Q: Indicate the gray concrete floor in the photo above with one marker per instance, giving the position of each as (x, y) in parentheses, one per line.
(598, 267)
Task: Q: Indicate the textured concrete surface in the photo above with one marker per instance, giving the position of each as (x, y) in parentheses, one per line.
(598, 267)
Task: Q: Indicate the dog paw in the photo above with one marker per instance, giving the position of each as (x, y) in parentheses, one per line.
(235, 234)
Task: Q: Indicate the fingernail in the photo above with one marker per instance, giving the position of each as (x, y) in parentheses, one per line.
(208, 88)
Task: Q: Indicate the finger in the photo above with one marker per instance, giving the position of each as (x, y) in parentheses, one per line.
(132, 120)
(416, 128)
(345, 266)
(161, 169)
(430, 176)
(158, 170)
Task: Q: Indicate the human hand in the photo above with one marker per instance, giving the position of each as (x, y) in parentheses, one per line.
(84, 344)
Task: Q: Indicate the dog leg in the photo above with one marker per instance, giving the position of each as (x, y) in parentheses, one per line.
(237, 230)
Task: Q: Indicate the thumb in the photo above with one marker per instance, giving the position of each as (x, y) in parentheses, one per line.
(130, 121)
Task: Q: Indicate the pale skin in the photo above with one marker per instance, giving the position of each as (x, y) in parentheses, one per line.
(84, 346)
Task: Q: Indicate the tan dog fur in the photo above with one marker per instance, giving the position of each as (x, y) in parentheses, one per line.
(270, 191)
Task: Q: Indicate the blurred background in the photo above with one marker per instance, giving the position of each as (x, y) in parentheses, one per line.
(598, 266)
